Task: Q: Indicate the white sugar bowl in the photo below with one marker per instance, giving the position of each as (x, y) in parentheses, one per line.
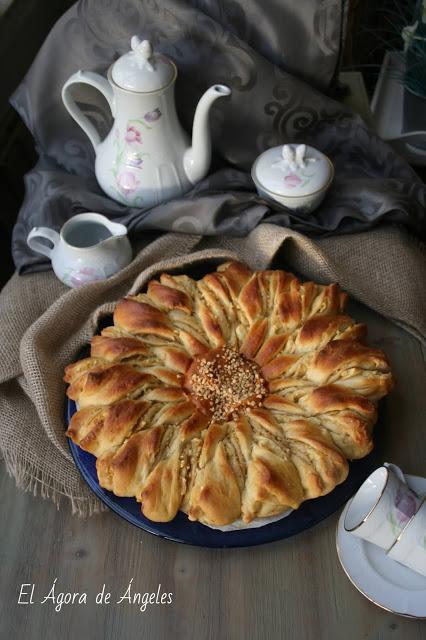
(296, 176)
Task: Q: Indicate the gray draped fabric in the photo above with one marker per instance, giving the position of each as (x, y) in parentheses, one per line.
(279, 57)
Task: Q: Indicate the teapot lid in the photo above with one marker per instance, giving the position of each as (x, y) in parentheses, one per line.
(292, 170)
(142, 69)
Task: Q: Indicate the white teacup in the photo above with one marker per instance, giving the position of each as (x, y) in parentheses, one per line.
(381, 508)
(410, 546)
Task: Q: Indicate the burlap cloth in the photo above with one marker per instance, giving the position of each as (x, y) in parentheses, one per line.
(44, 325)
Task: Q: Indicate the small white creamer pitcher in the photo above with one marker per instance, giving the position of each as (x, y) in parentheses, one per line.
(89, 247)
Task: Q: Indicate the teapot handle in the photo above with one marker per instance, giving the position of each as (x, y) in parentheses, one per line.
(42, 232)
(101, 84)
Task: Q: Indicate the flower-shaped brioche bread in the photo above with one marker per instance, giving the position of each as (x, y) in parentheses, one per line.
(239, 395)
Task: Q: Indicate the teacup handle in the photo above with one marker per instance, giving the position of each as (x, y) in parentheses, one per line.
(42, 232)
(397, 471)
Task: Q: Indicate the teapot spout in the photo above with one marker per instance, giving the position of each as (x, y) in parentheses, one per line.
(196, 160)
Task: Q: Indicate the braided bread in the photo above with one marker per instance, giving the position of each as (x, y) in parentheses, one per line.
(239, 395)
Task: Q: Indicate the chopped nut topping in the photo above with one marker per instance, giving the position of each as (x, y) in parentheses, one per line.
(224, 382)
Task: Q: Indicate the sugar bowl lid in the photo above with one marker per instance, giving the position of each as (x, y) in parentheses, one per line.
(142, 69)
(292, 170)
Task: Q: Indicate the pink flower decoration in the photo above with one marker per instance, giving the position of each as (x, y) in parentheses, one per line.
(85, 275)
(87, 271)
(292, 180)
(133, 135)
(127, 182)
(405, 504)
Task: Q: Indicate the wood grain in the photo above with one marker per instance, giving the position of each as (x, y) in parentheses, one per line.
(290, 589)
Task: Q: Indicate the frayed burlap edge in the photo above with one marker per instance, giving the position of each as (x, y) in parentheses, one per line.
(31, 479)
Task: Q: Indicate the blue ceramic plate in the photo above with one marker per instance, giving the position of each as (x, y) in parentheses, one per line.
(182, 530)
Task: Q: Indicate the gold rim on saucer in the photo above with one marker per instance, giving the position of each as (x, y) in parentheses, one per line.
(358, 588)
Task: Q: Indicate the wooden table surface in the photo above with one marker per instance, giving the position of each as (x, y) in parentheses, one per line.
(289, 589)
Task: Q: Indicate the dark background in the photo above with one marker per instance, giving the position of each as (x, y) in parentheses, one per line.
(24, 25)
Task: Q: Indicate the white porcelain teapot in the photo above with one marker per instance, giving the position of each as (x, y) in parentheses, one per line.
(147, 157)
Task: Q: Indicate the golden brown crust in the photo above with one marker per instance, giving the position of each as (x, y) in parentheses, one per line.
(141, 318)
(117, 348)
(98, 429)
(169, 298)
(215, 495)
(335, 398)
(338, 355)
(105, 385)
(236, 396)
(123, 470)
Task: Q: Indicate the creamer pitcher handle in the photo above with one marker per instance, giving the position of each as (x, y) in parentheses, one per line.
(42, 232)
(101, 84)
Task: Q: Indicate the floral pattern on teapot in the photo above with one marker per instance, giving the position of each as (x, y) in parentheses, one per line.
(129, 158)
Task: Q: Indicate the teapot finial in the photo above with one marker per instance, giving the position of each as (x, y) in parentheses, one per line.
(143, 51)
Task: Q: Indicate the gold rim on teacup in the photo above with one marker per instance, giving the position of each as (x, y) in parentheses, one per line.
(407, 524)
(374, 505)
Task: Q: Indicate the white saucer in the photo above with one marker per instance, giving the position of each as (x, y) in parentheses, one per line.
(385, 582)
